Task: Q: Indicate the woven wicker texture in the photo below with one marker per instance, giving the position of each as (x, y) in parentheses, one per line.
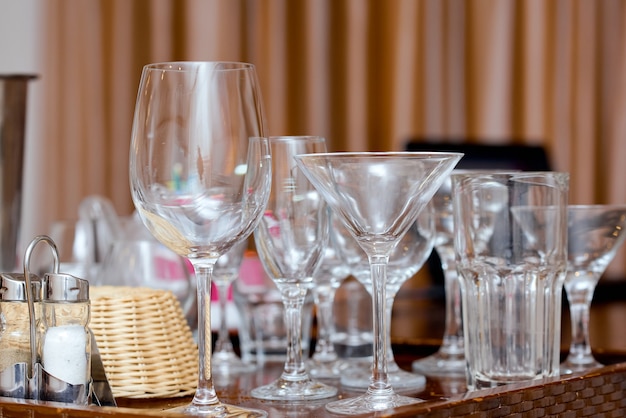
(146, 346)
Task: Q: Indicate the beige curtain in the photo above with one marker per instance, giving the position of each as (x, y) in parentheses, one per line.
(366, 74)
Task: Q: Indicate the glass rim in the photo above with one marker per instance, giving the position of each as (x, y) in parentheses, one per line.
(511, 173)
(289, 138)
(384, 154)
(180, 66)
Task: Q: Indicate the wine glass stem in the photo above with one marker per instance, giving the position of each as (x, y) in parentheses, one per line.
(453, 332)
(392, 366)
(223, 343)
(380, 379)
(205, 393)
(293, 301)
(580, 304)
(324, 297)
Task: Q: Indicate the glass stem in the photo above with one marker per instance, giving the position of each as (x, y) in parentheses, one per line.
(293, 301)
(324, 296)
(205, 393)
(380, 380)
(452, 342)
(223, 343)
(580, 304)
(392, 366)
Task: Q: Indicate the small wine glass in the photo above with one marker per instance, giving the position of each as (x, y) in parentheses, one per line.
(378, 197)
(225, 361)
(200, 176)
(325, 363)
(290, 241)
(595, 233)
(406, 259)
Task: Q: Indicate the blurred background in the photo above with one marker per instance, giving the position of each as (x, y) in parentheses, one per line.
(366, 74)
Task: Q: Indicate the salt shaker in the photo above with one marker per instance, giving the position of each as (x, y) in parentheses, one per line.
(65, 341)
(15, 335)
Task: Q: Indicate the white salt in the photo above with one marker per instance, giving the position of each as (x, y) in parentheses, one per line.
(64, 353)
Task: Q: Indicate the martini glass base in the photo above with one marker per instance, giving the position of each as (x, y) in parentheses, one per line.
(369, 403)
(569, 367)
(326, 369)
(441, 364)
(300, 390)
(398, 379)
(229, 364)
(219, 410)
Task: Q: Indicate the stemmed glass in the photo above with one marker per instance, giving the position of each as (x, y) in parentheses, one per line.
(290, 241)
(325, 363)
(378, 196)
(406, 259)
(225, 272)
(200, 178)
(595, 233)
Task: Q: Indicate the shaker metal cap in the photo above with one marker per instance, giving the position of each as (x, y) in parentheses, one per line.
(60, 287)
(13, 287)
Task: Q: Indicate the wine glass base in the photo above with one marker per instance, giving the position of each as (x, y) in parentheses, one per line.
(326, 369)
(570, 367)
(219, 410)
(229, 364)
(398, 379)
(300, 390)
(441, 364)
(369, 403)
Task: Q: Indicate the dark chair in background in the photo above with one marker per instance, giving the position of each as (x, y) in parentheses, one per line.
(482, 156)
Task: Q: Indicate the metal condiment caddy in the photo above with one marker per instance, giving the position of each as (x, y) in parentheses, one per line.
(45, 341)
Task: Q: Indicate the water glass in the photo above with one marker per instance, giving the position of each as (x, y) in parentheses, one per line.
(511, 250)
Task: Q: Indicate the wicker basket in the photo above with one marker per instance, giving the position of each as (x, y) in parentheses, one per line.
(146, 346)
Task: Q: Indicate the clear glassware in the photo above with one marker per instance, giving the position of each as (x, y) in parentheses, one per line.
(406, 259)
(595, 233)
(200, 176)
(378, 196)
(325, 363)
(225, 361)
(290, 240)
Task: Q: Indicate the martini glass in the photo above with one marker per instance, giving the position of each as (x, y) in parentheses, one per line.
(290, 241)
(226, 271)
(200, 177)
(595, 233)
(325, 363)
(378, 196)
(406, 259)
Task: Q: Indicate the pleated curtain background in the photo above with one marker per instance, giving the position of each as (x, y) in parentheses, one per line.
(366, 74)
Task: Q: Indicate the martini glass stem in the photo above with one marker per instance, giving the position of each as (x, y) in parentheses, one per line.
(293, 301)
(324, 349)
(205, 393)
(580, 304)
(223, 343)
(380, 380)
(452, 342)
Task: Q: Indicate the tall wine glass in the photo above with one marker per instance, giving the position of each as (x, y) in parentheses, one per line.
(334, 269)
(226, 271)
(200, 177)
(378, 196)
(290, 241)
(406, 259)
(595, 233)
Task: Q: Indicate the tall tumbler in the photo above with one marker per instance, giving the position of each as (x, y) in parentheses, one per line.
(511, 250)
(13, 94)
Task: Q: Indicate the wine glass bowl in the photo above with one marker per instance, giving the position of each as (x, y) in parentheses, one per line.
(595, 233)
(200, 174)
(378, 196)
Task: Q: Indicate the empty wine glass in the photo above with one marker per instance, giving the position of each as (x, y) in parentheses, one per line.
(325, 363)
(290, 241)
(595, 233)
(226, 271)
(378, 196)
(406, 259)
(200, 178)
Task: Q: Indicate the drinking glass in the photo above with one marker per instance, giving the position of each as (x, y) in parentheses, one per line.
(325, 363)
(378, 197)
(200, 176)
(290, 241)
(406, 259)
(225, 361)
(595, 233)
